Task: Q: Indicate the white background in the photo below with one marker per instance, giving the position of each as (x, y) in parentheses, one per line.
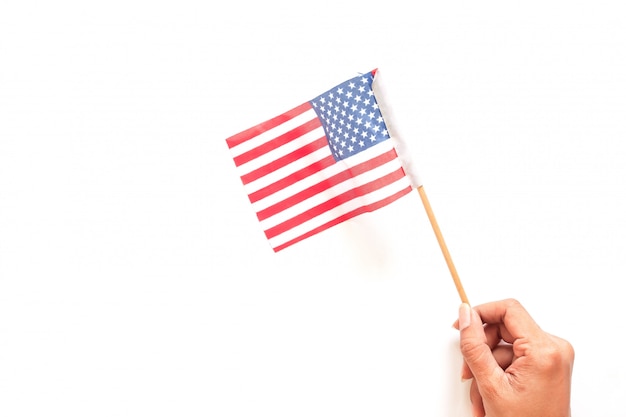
(136, 281)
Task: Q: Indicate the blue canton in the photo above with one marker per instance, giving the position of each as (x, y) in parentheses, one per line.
(350, 116)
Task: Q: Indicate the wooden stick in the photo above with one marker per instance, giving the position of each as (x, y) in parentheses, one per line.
(442, 244)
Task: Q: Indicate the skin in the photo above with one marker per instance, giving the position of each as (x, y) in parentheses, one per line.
(517, 369)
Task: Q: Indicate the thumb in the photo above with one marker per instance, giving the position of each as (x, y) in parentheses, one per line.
(475, 350)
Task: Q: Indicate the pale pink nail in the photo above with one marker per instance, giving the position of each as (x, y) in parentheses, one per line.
(464, 316)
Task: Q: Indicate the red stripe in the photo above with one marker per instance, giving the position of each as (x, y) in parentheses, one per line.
(347, 216)
(285, 160)
(327, 184)
(334, 202)
(254, 131)
(277, 142)
(291, 179)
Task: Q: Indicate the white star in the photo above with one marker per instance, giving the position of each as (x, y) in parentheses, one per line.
(361, 143)
(354, 107)
(350, 148)
(323, 100)
(366, 101)
(357, 99)
(372, 115)
(339, 90)
(351, 85)
(363, 80)
(362, 111)
(373, 138)
(361, 89)
(363, 133)
(331, 95)
(368, 125)
(349, 94)
(359, 121)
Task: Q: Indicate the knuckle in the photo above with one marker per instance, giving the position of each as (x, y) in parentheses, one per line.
(473, 350)
(557, 354)
(567, 350)
(512, 302)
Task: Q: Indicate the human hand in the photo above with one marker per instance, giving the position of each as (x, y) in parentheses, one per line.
(518, 370)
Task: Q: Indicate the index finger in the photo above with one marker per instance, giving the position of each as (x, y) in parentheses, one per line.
(511, 314)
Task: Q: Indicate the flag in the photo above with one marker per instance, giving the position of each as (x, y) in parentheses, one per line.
(319, 164)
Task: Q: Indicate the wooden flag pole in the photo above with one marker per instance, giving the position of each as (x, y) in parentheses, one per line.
(442, 244)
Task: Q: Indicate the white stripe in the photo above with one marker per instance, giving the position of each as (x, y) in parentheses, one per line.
(332, 192)
(287, 170)
(330, 215)
(338, 167)
(281, 151)
(268, 135)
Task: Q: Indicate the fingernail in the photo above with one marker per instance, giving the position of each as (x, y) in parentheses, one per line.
(464, 316)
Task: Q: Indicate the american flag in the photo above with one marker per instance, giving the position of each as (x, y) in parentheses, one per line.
(319, 164)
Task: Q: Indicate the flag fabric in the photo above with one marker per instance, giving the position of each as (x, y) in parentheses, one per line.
(319, 164)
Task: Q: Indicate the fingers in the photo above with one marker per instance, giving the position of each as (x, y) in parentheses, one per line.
(475, 347)
(493, 338)
(495, 329)
(503, 354)
(512, 316)
(484, 355)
